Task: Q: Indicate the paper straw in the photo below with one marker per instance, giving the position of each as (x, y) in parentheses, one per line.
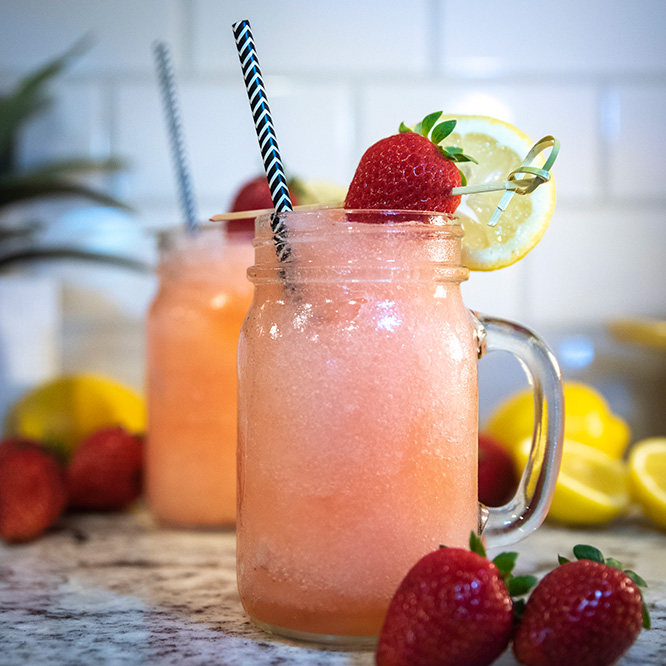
(168, 88)
(263, 124)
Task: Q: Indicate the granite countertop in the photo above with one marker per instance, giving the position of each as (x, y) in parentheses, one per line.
(116, 589)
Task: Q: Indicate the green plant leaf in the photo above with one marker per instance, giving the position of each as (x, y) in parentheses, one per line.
(441, 131)
(17, 189)
(74, 166)
(562, 560)
(403, 128)
(583, 552)
(29, 96)
(429, 122)
(72, 253)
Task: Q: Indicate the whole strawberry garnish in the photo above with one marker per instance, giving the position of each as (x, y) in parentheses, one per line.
(453, 607)
(584, 613)
(105, 472)
(32, 490)
(411, 170)
(498, 480)
(254, 195)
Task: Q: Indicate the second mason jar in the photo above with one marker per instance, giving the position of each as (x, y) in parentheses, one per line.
(192, 331)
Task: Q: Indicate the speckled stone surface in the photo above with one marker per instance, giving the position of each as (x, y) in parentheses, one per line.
(118, 590)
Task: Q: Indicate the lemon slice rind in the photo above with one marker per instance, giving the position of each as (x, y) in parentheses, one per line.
(499, 148)
(645, 488)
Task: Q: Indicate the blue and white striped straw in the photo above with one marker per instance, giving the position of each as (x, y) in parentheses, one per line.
(168, 88)
(263, 123)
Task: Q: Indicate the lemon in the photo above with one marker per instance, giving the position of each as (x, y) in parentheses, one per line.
(587, 419)
(319, 191)
(499, 148)
(63, 411)
(592, 487)
(647, 477)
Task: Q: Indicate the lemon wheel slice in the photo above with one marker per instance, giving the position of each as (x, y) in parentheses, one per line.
(647, 476)
(63, 411)
(499, 148)
(592, 488)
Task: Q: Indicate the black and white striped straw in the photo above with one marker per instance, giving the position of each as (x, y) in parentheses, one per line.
(168, 88)
(263, 123)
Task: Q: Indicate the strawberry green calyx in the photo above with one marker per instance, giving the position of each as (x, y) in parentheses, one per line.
(583, 552)
(437, 132)
(518, 586)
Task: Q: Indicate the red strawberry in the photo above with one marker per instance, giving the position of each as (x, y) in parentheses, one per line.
(452, 608)
(584, 613)
(254, 195)
(32, 490)
(497, 475)
(105, 471)
(409, 170)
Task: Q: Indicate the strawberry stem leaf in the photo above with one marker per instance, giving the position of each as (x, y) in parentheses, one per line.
(562, 560)
(437, 132)
(583, 552)
(612, 562)
(647, 623)
(505, 562)
(635, 577)
(429, 122)
(520, 585)
(476, 545)
(441, 131)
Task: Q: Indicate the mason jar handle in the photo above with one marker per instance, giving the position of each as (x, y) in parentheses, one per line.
(528, 508)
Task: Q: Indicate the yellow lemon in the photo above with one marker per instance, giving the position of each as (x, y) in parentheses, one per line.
(587, 419)
(647, 476)
(592, 487)
(63, 411)
(499, 148)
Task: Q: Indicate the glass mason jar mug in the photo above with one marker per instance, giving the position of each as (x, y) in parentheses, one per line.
(192, 331)
(358, 412)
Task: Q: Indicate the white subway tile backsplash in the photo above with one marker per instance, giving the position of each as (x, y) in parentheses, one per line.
(598, 263)
(637, 142)
(315, 129)
(121, 32)
(347, 36)
(498, 293)
(312, 124)
(568, 112)
(218, 138)
(342, 75)
(487, 38)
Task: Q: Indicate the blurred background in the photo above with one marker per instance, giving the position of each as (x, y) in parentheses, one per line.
(340, 75)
